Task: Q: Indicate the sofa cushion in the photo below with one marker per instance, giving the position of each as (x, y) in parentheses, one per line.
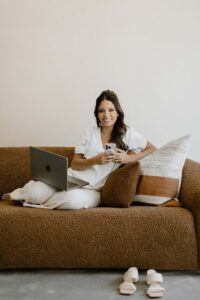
(102, 237)
(161, 173)
(120, 186)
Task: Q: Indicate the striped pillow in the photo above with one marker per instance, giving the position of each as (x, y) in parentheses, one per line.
(161, 173)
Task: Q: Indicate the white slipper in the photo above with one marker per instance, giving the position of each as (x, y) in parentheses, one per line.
(149, 273)
(127, 288)
(154, 279)
(131, 275)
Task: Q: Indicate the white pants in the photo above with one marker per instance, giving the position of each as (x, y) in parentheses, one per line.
(75, 199)
(40, 195)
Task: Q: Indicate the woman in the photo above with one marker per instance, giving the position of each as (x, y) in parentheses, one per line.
(91, 163)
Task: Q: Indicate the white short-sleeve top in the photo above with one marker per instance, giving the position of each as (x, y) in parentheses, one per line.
(90, 144)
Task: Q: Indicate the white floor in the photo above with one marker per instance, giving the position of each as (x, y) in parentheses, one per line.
(90, 285)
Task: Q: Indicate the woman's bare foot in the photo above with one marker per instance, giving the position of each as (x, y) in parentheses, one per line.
(6, 196)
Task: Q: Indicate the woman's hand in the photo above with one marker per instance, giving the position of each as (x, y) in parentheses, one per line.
(120, 156)
(123, 157)
(102, 158)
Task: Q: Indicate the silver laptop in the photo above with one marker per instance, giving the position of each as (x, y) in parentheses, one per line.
(52, 168)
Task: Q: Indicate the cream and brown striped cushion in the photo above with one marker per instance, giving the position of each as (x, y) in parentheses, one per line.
(161, 173)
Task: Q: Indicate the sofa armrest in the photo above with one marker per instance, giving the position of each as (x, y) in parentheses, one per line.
(15, 165)
(189, 194)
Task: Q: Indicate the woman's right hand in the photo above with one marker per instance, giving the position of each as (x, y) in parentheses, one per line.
(102, 158)
(79, 163)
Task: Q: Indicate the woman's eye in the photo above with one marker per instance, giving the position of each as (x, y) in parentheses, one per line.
(110, 110)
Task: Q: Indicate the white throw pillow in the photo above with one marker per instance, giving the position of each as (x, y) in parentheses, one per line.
(161, 172)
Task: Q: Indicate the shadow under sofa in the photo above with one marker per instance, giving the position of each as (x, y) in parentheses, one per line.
(165, 238)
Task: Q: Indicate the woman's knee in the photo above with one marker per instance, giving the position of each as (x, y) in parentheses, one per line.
(35, 192)
(79, 199)
(72, 200)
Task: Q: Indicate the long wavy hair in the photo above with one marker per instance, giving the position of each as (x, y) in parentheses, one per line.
(120, 127)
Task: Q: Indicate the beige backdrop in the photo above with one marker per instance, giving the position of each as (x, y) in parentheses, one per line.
(56, 56)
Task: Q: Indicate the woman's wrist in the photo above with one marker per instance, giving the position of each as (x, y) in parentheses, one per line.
(132, 157)
(92, 161)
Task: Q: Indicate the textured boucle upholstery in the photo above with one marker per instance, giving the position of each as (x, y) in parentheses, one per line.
(97, 238)
(164, 238)
(190, 193)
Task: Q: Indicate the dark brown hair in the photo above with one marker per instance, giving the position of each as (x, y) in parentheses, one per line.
(120, 127)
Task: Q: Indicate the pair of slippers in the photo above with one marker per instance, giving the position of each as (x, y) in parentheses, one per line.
(154, 279)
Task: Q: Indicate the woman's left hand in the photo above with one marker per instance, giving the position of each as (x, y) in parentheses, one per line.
(120, 156)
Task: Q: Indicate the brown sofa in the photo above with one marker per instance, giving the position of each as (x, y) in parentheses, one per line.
(166, 238)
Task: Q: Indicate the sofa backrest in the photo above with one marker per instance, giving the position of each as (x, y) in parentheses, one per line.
(15, 165)
(15, 169)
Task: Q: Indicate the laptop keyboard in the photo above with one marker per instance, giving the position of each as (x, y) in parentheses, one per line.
(71, 184)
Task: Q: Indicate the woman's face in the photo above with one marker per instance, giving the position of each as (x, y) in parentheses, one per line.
(107, 113)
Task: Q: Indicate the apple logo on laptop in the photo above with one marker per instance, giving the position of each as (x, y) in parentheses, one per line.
(48, 168)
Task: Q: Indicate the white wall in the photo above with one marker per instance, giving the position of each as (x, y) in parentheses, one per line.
(56, 56)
